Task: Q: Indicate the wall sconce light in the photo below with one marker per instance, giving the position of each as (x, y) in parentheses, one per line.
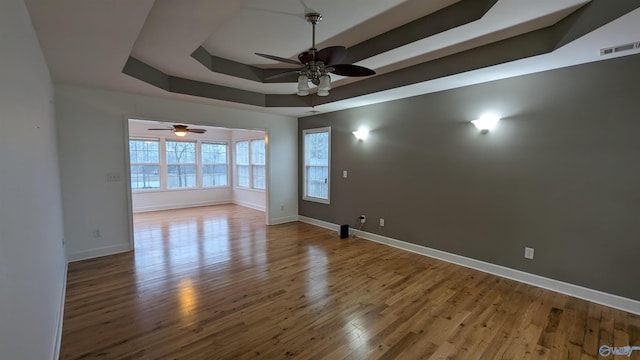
(486, 122)
(361, 134)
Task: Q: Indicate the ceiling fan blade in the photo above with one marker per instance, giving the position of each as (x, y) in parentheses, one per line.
(197, 131)
(332, 55)
(277, 76)
(278, 58)
(352, 70)
(161, 129)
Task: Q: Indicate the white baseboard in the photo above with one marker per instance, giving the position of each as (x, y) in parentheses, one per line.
(596, 296)
(103, 251)
(283, 220)
(320, 223)
(58, 338)
(142, 209)
(250, 205)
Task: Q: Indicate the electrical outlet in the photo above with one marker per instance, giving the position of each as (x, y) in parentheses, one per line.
(381, 222)
(528, 253)
(113, 176)
(96, 233)
(363, 219)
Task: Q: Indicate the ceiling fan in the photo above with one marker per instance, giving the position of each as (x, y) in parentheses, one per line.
(182, 130)
(317, 65)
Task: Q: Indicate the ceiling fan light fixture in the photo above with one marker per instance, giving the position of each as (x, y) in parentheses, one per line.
(180, 132)
(303, 85)
(316, 65)
(325, 83)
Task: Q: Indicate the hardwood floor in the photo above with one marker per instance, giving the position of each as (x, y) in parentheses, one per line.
(216, 283)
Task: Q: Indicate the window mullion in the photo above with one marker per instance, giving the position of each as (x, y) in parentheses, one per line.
(163, 165)
(198, 164)
(251, 164)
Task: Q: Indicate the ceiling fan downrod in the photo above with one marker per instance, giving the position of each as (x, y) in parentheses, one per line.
(313, 18)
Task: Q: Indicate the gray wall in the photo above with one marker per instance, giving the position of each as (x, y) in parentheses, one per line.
(32, 261)
(561, 173)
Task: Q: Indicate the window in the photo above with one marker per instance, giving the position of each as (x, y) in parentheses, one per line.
(214, 164)
(181, 164)
(316, 147)
(251, 164)
(144, 156)
(258, 164)
(242, 163)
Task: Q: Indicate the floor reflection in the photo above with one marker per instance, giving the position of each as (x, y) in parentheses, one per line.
(317, 285)
(215, 240)
(188, 301)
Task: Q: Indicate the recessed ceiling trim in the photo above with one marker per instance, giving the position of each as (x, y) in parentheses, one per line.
(515, 48)
(458, 14)
(595, 14)
(147, 73)
(228, 67)
(452, 16)
(240, 70)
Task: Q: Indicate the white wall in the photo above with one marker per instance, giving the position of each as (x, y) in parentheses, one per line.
(93, 132)
(152, 200)
(32, 261)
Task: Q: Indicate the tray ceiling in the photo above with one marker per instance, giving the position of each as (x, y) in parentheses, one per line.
(203, 50)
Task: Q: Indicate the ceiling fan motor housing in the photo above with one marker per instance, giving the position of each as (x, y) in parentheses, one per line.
(313, 18)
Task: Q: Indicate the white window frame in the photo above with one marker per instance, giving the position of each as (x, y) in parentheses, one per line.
(159, 163)
(163, 173)
(306, 197)
(202, 163)
(194, 164)
(250, 164)
(257, 164)
(247, 164)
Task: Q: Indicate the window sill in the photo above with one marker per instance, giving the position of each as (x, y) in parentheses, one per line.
(149, 191)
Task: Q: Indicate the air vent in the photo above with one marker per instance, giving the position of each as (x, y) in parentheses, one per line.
(615, 49)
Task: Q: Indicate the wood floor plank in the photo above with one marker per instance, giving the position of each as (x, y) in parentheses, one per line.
(216, 283)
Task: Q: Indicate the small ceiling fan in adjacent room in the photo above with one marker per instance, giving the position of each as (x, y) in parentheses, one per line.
(317, 65)
(182, 130)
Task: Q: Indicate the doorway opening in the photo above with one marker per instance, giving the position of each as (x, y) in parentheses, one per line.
(206, 167)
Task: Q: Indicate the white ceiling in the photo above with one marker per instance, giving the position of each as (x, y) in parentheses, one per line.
(88, 42)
